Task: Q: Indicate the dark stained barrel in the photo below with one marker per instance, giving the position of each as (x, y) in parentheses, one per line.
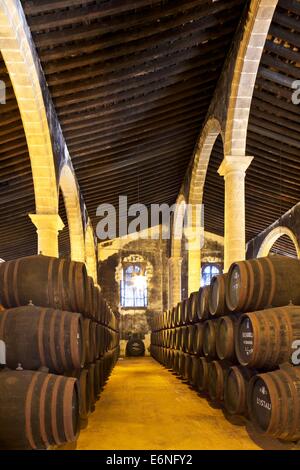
(263, 282)
(91, 384)
(235, 389)
(209, 339)
(178, 333)
(50, 282)
(85, 405)
(190, 339)
(225, 337)
(264, 339)
(217, 296)
(184, 312)
(178, 317)
(37, 410)
(91, 297)
(88, 332)
(188, 367)
(216, 375)
(203, 366)
(203, 305)
(176, 362)
(273, 403)
(181, 367)
(184, 338)
(195, 372)
(193, 307)
(37, 337)
(198, 339)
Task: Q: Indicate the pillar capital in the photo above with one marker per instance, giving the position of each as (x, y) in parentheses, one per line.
(233, 164)
(47, 221)
(48, 226)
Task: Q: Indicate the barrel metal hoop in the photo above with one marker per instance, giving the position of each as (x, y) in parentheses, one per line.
(63, 315)
(41, 328)
(273, 280)
(42, 410)
(261, 283)
(6, 283)
(52, 339)
(15, 281)
(28, 406)
(67, 409)
(58, 379)
(50, 282)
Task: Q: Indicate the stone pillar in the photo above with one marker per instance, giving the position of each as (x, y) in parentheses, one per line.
(194, 268)
(48, 226)
(174, 280)
(234, 169)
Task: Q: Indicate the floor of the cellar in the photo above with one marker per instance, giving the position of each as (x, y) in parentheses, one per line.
(144, 406)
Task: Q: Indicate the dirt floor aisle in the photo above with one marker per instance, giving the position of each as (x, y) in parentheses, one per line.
(144, 406)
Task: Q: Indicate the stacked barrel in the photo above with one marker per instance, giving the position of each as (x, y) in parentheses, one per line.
(238, 340)
(61, 341)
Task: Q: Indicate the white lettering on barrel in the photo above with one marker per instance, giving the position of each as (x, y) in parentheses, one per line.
(263, 403)
(295, 359)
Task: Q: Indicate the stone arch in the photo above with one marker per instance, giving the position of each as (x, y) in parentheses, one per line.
(273, 236)
(244, 75)
(209, 135)
(175, 259)
(70, 193)
(90, 252)
(17, 50)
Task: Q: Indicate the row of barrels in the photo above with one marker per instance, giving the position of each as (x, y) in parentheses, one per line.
(270, 399)
(248, 286)
(55, 283)
(39, 410)
(262, 340)
(61, 341)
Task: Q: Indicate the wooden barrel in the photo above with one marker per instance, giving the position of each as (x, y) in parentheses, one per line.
(135, 347)
(198, 339)
(203, 366)
(181, 366)
(176, 362)
(225, 337)
(173, 316)
(184, 338)
(195, 372)
(259, 283)
(188, 368)
(37, 337)
(217, 296)
(216, 375)
(192, 314)
(178, 333)
(84, 405)
(235, 389)
(88, 332)
(91, 298)
(91, 384)
(46, 281)
(264, 339)
(177, 319)
(37, 410)
(273, 403)
(209, 339)
(184, 312)
(203, 305)
(190, 338)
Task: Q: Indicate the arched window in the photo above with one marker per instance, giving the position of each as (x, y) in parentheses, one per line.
(208, 272)
(134, 292)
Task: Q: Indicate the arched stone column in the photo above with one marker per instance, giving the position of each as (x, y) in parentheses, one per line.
(175, 260)
(210, 132)
(90, 252)
(70, 193)
(273, 236)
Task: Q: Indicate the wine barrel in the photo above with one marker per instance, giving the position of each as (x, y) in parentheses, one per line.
(88, 332)
(37, 337)
(217, 296)
(209, 339)
(178, 333)
(216, 375)
(135, 347)
(91, 385)
(225, 337)
(273, 403)
(198, 339)
(264, 339)
(84, 393)
(37, 410)
(91, 298)
(190, 338)
(188, 368)
(203, 305)
(203, 367)
(177, 318)
(181, 366)
(176, 362)
(235, 389)
(184, 312)
(46, 281)
(195, 372)
(263, 282)
(192, 313)
(184, 338)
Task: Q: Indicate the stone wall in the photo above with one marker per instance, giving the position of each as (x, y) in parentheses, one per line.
(111, 255)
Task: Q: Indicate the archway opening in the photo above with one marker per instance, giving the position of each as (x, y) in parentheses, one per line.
(284, 246)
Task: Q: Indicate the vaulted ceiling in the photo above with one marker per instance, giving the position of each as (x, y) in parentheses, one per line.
(131, 82)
